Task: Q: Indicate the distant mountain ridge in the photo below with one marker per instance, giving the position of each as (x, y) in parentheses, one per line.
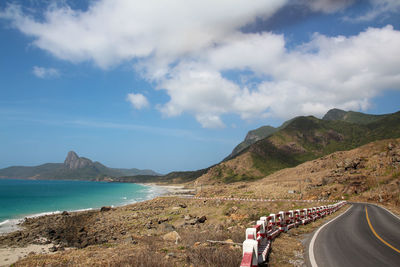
(302, 139)
(73, 168)
(352, 116)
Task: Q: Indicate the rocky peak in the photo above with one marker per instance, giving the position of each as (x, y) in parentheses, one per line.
(73, 161)
(335, 114)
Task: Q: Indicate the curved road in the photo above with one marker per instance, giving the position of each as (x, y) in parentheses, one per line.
(365, 235)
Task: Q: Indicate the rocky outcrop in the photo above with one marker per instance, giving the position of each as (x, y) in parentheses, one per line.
(73, 161)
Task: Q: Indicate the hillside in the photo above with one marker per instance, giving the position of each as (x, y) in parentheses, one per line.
(367, 173)
(73, 168)
(303, 139)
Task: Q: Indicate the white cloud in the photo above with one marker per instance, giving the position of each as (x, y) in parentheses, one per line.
(327, 72)
(379, 10)
(138, 101)
(44, 73)
(328, 6)
(112, 31)
(188, 48)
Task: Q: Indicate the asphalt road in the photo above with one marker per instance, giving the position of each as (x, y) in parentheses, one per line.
(350, 239)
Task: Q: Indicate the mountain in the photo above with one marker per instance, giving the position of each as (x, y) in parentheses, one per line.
(303, 139)
(74, 167)
(351, 116)
(252, 137)
(332, 115)
(255, 135)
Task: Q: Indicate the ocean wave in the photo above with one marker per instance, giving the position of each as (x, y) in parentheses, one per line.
(4, 222)
(9, 225)
(43, 214)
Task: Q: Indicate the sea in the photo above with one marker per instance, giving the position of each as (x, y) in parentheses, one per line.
(30, 198)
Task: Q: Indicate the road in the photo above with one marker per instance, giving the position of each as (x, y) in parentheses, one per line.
(365, 235)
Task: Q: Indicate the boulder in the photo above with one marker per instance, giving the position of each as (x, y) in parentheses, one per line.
(172, 237)
(202, 219)
(166, 227)
(105, 208)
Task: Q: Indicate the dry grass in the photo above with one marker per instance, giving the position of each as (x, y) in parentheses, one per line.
(216, 256)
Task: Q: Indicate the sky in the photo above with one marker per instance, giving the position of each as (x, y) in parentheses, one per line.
(176, 85)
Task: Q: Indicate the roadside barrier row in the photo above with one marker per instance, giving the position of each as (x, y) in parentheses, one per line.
(262, 199)
(258, 238)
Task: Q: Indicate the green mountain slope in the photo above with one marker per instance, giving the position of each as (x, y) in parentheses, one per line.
(303, 139)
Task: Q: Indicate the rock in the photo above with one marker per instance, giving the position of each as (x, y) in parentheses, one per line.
(187, 217)
(172, 237)
(171, 255)
(65, 213)
(73, 161)
(84, 243)
(202, 219)
(166, 227)
(390, 146)
(105, 208)
(51, 231)
(161, 220)
(183, 206)
(128, 240)
(191, 222)
(53, 249)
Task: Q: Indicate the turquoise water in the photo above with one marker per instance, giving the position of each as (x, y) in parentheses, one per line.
(20, 198)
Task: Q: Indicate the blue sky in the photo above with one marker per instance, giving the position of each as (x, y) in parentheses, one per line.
(176, 87)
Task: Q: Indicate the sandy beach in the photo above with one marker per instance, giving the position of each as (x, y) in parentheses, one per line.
(177, 190)
(9, 256)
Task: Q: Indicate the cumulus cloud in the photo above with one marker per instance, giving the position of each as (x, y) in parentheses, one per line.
(327, 72)
(138, 101)
(44, 73)
(189, 49)
(112, 31)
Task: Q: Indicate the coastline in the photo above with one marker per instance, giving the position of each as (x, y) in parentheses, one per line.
(11, 254)
(173, 189)
(12, 224)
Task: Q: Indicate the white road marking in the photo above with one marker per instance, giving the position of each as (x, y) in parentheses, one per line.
(311, 247)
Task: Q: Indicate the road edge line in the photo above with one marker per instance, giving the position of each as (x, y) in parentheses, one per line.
(311, 246)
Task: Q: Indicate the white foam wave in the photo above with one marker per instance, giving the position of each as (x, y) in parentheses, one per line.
(4, 222)
(81, 210)
(43, 214)
(9, 226)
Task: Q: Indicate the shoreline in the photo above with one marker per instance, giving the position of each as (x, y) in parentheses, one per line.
(10, 225)
(11, 254)
(173, 189)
